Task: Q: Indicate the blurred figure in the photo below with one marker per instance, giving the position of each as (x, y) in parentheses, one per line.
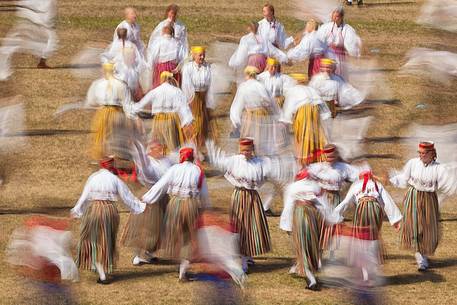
(133, 29)
(439, 14)
(341, 40)
(253, 50)
(333, 89)
(302, 217)
(164, 55)
(270, 29)
(186, 187)
(310, 47)
(100, 219)
(305, 111)
(197, 83)
(178, 29)
(172, 118)
(254, 113)
(33, 34)
(372, 201)
(40, 249)
(276, 82)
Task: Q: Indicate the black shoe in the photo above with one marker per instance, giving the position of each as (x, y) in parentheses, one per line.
(103, 282)
(348, 3)
(270, 213)
(314, 287)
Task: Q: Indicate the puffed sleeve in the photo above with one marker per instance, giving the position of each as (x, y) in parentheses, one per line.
(147, 173)
(155, 34)
(81, 205)
(276, 53)
(146, 100)
(183, 109)
(302, 51)
(217, 156)
(159, 189)
(339, 210)
(390, 208)
(447, 178)
(133, 203)
(285, 222)
(282, 40)
(352, 42)
(187, 85)
(239, 58)
(400, 179)
(236, 110)
(91, 99)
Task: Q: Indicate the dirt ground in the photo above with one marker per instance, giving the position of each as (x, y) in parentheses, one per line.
(48, 174)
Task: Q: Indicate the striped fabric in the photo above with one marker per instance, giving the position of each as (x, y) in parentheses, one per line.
(330, 231)
(308, 134)
(249, 220)
(97, 243)
(166, 128)
(420, 226)
(305, 232)
(180, 226)
(314, 65)
(162, 67)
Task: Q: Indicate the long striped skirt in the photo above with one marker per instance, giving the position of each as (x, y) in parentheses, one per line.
(162, 67)
(308, 134)
(420, 226)
(306, 229)
(97, 243)
(180, 227)
(249, 220)
(314, 65)
(203, 126)
(330, 232)
(367, 224)
(144, 230)
(107, 125)
(166, 128)
(258, 60)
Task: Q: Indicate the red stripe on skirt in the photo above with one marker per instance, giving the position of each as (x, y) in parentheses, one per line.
(162, 67)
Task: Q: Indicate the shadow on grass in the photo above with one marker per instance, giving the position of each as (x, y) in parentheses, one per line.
(442, 263)
(142, 273)
(414, 278)
(270, 265)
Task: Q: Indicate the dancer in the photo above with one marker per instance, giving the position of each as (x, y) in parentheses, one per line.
(272, 30)
(133, 29)
(100, 219)
(186, 187)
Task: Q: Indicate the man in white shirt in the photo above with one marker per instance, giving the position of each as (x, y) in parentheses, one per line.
(272, 30)
(133, 29)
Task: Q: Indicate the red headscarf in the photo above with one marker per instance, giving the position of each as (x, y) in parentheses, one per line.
(187, 154)
(302, 174)
(367, 175)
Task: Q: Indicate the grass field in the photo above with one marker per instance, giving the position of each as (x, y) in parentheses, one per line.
(48, 175)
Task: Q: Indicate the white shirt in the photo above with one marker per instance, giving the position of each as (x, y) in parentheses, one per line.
(343, 36)
(251, 94)
(332, 176)
(164, 99)
(274, 32)
(355, 193)
(104, 185)
(165, 48)
(197, 78)
(298, 96)
(180, 180)
(309, 46)
(108, 92)
(133, 35)
(40, 12)
(251, 44)
(180, 35)
(276, 84)
(302, 190)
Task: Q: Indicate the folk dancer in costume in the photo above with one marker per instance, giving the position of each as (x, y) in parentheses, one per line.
(128, 62)
(186, 187)
(333, 89)
(165, 54)
(111, 97)
(371, 201)
(247, 173)
(172, 117)
(254, 113)
(142, 232)
(253, 50)
(424, 177)
(302, 217)
(305, 110)
(100, 219)
(341, 40)
(331, 174)
(272, 30)
(133, 30)
(179, 29)
(310, 47)
(275, 81)
(196, 85)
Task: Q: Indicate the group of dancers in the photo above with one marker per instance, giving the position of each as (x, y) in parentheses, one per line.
(173, 85)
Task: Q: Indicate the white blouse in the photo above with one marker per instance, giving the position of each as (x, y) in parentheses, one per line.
(197, 78)
(300, 190)
(165, 98)
(133, 35)
(180, 35)
(298, 96)
(251, 94)
(276, 84)
(341, 36)
(40, 12)
(180, 180)
(165, 48)
(309, 46)
(108, 92)
(332, 176)
(104, 185)
(274, 33)
(252, 44)
(355, 193)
